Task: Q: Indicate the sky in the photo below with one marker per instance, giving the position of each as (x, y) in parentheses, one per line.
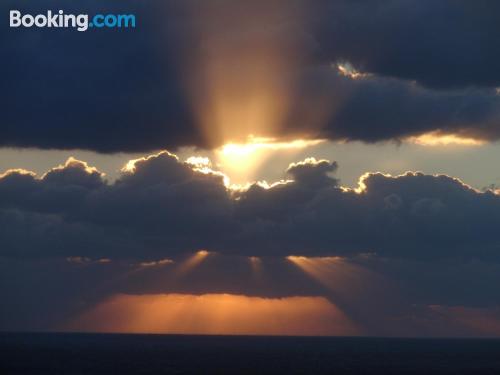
(265, 168)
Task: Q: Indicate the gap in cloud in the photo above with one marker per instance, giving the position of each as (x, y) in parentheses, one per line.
(444, 139)
(264, 159)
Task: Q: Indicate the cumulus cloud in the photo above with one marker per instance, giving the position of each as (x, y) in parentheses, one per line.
(161, 207)
(313, 173)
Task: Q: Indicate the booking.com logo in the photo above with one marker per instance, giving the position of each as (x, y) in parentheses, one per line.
(78, 21)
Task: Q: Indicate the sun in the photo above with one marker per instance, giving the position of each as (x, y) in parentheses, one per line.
(241, 161)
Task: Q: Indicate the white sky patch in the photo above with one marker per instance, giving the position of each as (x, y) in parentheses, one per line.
(257, 144)
(199, 161)
(436, 139)
(243, 162)
(476, 165)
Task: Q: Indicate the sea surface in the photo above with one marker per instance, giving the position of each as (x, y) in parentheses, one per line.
(68, 353)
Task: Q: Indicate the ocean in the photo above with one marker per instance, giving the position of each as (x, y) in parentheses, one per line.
(122, 354)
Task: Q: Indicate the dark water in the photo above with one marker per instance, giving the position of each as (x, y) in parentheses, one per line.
(42, 353)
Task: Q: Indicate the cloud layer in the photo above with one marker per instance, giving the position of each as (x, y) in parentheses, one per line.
(139, 90)
(161, 206)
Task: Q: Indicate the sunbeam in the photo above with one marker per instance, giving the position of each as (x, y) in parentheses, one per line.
(215, 314)
(192, 262)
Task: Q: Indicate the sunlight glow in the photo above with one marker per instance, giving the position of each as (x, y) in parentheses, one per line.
(346, 279)
(257, 144)
(73, 162)
(215, 314)
(241, 160)
(17, 171)
(199, 161)
(203, 165)
(319, 268)
(436, 139)
(255, 263)
(244, 84)
(346, 69)
(192, 262)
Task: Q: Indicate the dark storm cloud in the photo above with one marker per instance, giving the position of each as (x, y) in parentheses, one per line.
(313, 173)
(125, 90)
(162, 207)
(110, 91)
(371, 109)
(414, 216)
(442, 44)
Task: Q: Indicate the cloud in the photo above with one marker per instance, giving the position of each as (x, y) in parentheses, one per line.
(111, 91)
(409, 40)
(313, 173)
(415, 253)
(399, 243)
(161, 206)
(374, 108)
(137, 90)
